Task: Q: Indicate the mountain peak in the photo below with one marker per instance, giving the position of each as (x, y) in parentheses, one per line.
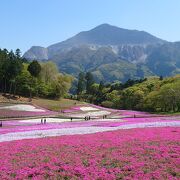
(37, 52)
(104, 25)
(106, 34)
(102, 35)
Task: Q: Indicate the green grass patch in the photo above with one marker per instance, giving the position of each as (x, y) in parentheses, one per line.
(56, 105)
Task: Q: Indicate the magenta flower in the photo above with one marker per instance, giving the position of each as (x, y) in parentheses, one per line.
(151, 153)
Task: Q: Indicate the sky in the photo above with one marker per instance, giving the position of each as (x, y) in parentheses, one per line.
(24, 23)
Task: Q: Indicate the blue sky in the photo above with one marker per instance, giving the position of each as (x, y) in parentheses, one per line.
(25, 23)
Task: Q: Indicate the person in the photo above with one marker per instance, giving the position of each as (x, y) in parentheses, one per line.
(41, 121)
(45, 121)
(71, 119)
(89, 117)
(1, 124)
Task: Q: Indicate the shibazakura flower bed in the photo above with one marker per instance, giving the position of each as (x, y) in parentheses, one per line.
(95, 111)
(21, 110)
(150, 153)
(35, 124)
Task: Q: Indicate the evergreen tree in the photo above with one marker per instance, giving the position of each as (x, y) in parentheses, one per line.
(18, 53)
(89, 82)
(34, 68)
(81, 83)
(15, 68)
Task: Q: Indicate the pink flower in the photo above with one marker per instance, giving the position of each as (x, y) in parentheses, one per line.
(123, 154)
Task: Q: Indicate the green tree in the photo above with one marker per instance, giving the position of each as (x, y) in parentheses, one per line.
(152, 101)
(89, 82)
(15, 69)
(132, 98)
(61, 85)
(101, 86)
(4, 66)
(49, 71)
(24, 81)
(34, 68)
(170, 97)
(18, 53)
(81, 83)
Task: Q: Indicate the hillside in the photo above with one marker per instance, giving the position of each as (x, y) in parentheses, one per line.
(150, 94)
(50, 104)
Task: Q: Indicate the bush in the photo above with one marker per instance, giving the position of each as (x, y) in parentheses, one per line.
(107, 104)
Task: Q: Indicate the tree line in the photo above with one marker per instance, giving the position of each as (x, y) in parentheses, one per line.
(20, 77)
(149, 94)
(43, 79)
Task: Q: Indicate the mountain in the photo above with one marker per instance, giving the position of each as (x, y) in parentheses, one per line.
(112, 53)
(105, 35)
(37, 52)
(165, 59)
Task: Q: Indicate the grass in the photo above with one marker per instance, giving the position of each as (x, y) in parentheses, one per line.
(168, 113)
(54, 105)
